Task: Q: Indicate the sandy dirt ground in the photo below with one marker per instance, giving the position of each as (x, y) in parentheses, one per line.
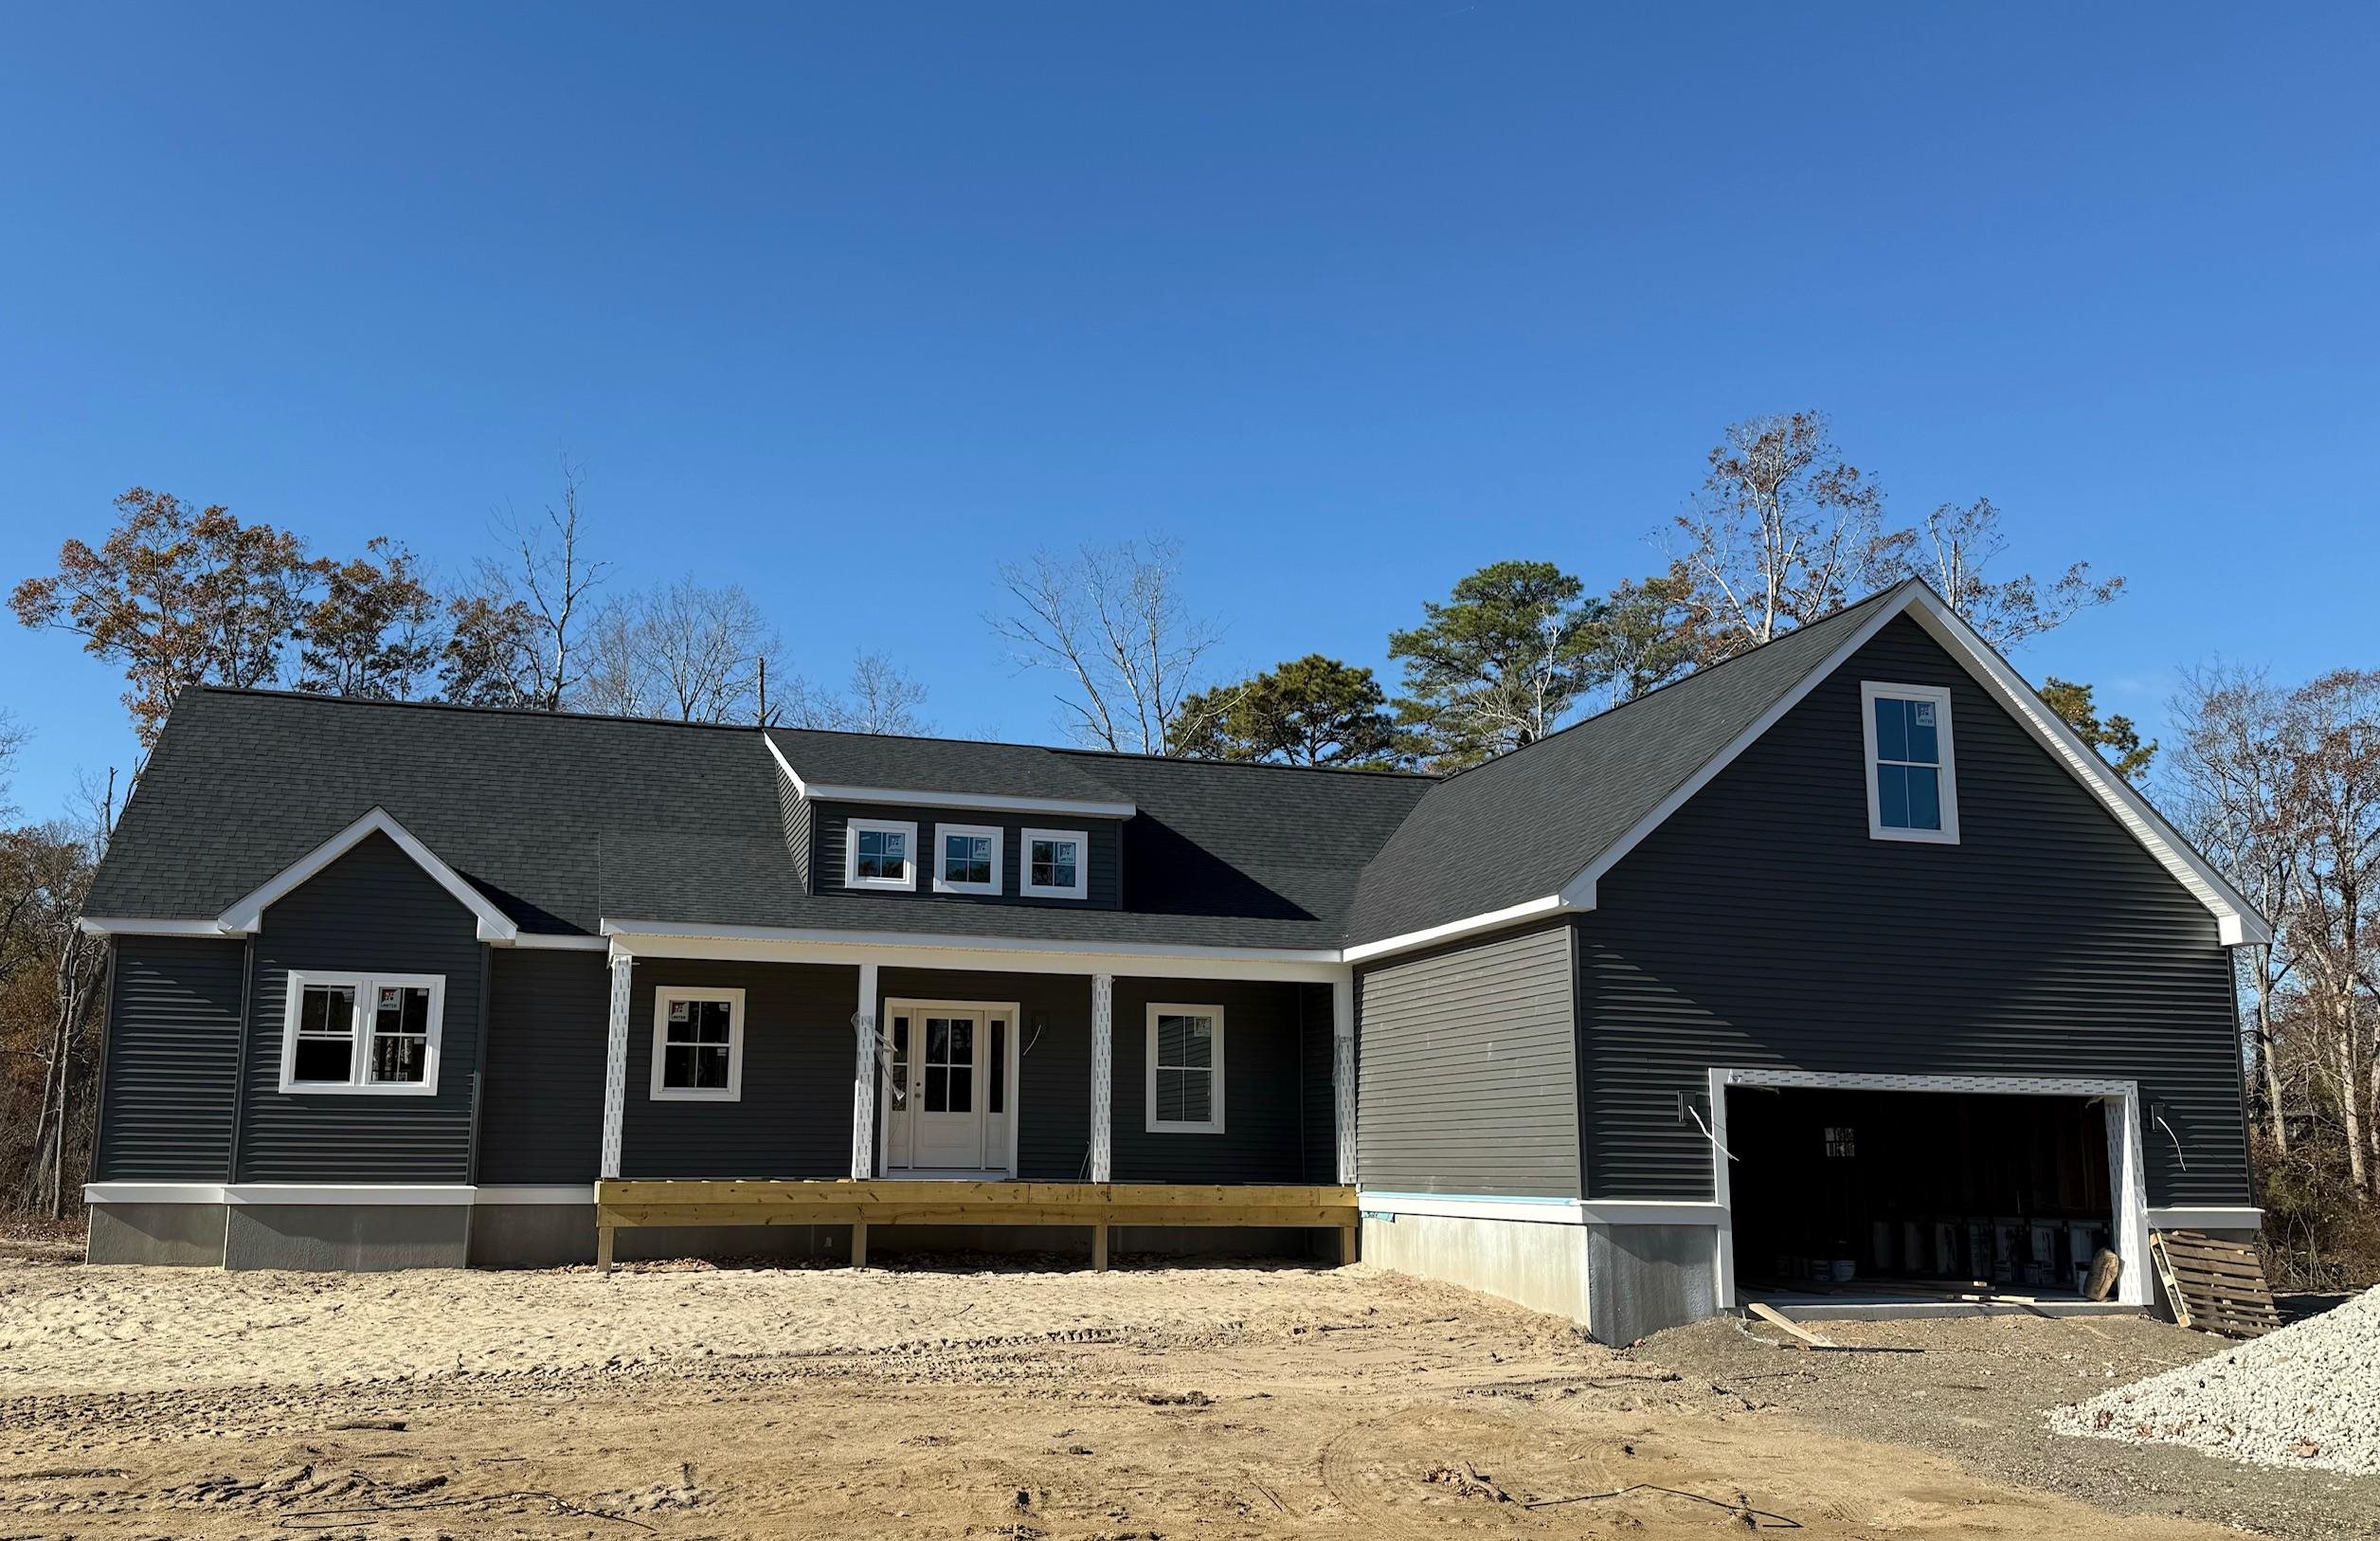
(1149, 1402)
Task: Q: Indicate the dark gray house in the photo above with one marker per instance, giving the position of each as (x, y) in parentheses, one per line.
(1842, 956)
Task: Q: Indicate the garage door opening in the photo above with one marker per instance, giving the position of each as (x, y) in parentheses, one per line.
(1877, 1195)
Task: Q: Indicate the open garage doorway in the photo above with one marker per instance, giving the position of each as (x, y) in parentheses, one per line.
(1925, 1192)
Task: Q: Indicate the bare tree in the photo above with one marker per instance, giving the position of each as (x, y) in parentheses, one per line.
(1958, 543)
(679, 650)
(549, 575)
(1784, 531)
(878, 699)
(1112, 621)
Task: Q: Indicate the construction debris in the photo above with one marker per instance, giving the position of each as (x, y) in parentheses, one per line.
(2214, 1286)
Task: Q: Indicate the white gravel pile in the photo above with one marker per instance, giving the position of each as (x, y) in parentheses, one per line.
(2308, 1395)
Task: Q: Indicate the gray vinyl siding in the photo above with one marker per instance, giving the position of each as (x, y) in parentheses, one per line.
(168, 1089)
(1053, 1092)
(1263, 1086)
(1468, 1083)
(794, 1117)
(1762, 926)
(830, 826)
(541, 1114)
(370, 909)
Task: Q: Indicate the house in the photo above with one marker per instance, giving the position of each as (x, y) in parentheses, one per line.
(1844, 957)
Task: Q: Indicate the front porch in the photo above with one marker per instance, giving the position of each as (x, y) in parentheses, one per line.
(621, 1204)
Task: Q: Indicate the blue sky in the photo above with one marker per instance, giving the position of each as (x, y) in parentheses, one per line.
(851, 302)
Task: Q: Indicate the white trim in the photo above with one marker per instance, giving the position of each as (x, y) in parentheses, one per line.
(2127, 1170)
(986, 954)
(1344, 1073)
(116, 925)
(505, 1193)
(549, 941)
(415, 1194)
(366, 986)
(1027, 888)
(906, 828)
(247, 913)
(1213, 1123)
(992, 832)
(1550, 904)
(612, 1145)
(1945, 764)
(1102, 1077)
(338, 1194)
(867, 1137)
(1012, 1053)
(2208, 1218)
(1544, 1211)
(733, 1090)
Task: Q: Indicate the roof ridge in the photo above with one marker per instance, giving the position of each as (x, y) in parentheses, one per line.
(327, 699)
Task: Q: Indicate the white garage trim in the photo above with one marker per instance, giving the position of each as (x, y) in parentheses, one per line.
(2125, 1165)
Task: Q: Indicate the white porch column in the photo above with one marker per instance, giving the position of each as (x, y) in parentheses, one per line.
(1343, 1083)
(616, 1062)
(1102, 1077)
(863, 1078)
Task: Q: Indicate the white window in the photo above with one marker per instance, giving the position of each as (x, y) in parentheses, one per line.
(1912, 779)
(352, 1032)
(967, 858)
(880, 853)
(1185, 1069)
(1057, 865)
(697, 1045)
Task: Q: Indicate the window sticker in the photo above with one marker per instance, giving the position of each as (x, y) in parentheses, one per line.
(681, 1013)
(1924, 711)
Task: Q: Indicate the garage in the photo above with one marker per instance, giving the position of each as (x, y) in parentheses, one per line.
(1863, 1193)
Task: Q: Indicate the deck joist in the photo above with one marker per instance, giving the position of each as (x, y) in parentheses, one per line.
(620, 1203)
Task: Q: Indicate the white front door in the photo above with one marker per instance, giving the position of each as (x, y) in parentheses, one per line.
(947, 1087)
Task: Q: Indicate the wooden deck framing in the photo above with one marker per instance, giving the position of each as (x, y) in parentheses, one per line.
(620, 1203)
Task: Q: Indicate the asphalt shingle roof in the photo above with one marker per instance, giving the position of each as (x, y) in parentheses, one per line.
(567, 820)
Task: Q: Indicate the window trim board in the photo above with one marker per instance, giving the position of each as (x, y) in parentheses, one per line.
(1027, 888)
(1154, 1125)
(733, 1092)
(999, 837)
(907, 881)
(1871, 691)
(365, 983)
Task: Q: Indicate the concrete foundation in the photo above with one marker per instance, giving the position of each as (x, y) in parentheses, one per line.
(345, 1237)
(1539, 1264)
(157, 1234)
(1641, 1278)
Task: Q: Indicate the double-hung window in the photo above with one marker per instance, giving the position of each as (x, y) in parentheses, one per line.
(968, 859)
(1185, 1069)
(880, 853)
(1057, 865)
(697, 1045)
(358, 1032)
(1912, 780)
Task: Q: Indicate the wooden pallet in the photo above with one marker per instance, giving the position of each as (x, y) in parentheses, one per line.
(2214, 1286)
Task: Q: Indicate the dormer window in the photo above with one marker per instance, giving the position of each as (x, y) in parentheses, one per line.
(1912, 779)
(1057, 865)
(880, 853)
(968, 859)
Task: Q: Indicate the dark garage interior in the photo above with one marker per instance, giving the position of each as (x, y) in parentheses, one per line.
(1866, 1191)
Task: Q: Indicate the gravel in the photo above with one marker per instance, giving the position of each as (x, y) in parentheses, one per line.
(2305, 1396)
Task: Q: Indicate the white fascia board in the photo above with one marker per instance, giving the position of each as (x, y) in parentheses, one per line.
(416, 1195)
(152, 1193)
(988, 953)
(118, 925)
(989, 802)
(544, 941)
(2206, 1218)
(1527, 910)
(2237, 919)
(1578, 893)
(247, 913)
(1544, 1211)
(535, 1193)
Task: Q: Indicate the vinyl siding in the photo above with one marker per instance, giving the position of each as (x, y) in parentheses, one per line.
(1053, 1092)
(1762, 926)
(793, 811)
(830, 824)
(1318, 1105)
(172, 1060)
(794, 1117)
(370, 909)
(1467, 1081)
(1263, 1086)
(541, 1119)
